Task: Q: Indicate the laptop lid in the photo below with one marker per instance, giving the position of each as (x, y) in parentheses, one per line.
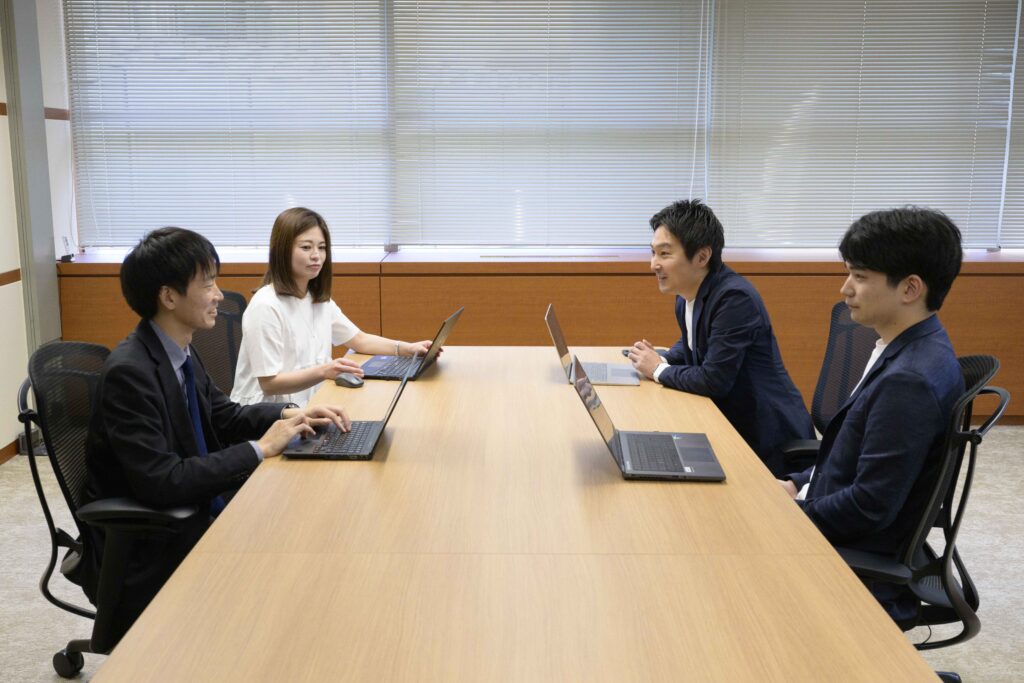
(439, 339)
(595, 408)
(398, 394)
(555, 330)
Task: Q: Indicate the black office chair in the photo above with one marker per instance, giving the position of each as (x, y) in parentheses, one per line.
(218, 347)
(63, 377)
(846, 355)
(946, 597)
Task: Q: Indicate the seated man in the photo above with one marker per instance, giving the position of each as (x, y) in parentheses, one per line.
(879, 454)
(161, 431)
(727, 350)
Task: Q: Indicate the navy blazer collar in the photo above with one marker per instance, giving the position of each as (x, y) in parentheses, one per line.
(928, 326)
(710, 280)
(168, 378)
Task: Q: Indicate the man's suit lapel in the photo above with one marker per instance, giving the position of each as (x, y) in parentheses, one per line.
(700, 340)
(925, 327)
(174, 399)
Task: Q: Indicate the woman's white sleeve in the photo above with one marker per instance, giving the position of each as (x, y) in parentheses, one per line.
(263, 334)
(342, 329)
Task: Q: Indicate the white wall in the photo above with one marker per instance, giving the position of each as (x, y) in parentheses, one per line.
(53, 60)
(13, 347)
(13, 336)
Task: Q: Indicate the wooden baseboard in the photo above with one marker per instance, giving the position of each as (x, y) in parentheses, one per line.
(8, 451)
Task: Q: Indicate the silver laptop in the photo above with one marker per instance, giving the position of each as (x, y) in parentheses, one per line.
(649, 455)
(599, 373)
(330, 443)
(395, 367)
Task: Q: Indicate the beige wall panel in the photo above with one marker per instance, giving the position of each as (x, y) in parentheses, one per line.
(9, 256)
(14, 350)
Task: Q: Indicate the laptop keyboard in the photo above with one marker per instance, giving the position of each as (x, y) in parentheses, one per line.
(354, 441)
(597, 372)
(654, 453)
(397, 366)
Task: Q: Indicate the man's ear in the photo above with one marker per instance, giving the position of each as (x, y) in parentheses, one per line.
(703, 256)
(914, 289)
(167, 297)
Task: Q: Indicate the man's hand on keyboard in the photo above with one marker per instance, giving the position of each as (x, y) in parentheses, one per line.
(283, 431)
(323, 415)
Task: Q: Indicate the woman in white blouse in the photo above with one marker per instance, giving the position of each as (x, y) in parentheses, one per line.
(291, 324)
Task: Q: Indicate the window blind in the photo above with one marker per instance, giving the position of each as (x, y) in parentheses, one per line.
(1012, 227)
(218, 115)
(546, 122)
(552, 122)
(413, 122)
(826, 110)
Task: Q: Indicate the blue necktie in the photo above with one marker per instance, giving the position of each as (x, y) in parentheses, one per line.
(217, 504)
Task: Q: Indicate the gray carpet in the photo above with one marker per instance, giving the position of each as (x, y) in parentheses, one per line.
(991, 542)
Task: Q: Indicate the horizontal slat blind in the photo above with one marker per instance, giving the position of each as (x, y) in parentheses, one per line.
(545, 122)
(554, 122)
(825, 110)
(218, 115)
(1012, 233)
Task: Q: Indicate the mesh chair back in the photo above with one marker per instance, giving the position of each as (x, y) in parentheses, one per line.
(64, 378)
(846, 355)
(977, 372)
(218, 347)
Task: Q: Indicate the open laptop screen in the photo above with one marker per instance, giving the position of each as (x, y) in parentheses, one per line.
(555, 330)
(590, 399)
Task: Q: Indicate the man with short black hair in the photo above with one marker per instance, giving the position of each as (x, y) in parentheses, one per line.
(161, 431)
(727, 350)
(878, 459)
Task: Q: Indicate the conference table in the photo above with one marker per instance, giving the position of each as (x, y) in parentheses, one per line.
(492, 538)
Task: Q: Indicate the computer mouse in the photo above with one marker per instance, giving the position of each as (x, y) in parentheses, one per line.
(347, 379)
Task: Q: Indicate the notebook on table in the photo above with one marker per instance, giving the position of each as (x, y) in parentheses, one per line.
(396, 367)
(599, 373)
(649, 455)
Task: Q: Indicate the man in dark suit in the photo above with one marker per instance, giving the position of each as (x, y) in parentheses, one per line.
(878, 459)
(161, 431)
(727, 350)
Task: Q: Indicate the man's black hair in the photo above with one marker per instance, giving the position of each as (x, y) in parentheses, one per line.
(695, 225)
(907, 241)
(167, 256)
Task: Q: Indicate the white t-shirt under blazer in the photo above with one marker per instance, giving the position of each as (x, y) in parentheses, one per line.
(283, 334)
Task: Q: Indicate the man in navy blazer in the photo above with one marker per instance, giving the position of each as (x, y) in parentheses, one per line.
(878, 459)
(161, 431)
(727, 350)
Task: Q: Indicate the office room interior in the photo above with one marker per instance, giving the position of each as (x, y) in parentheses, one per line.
(502, 156)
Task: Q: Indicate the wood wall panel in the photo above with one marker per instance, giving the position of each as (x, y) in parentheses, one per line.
(595, 310)
(613, 307)
(93, 310)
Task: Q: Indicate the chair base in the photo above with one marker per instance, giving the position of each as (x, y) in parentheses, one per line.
(69, 661)
(948, 676)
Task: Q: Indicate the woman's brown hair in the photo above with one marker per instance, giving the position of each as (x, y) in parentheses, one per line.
(289, 224)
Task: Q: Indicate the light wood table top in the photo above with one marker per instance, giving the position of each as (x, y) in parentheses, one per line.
(492, 537)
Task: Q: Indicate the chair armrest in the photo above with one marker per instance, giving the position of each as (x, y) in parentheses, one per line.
(800, 447)
(1004, 399)
(875, 566)
(128, 512)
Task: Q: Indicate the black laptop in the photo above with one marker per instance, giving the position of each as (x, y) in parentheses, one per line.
(649, 455)
(599, 373)
(330, 443)
(395, 367)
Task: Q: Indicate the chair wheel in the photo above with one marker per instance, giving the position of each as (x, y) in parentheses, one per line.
(68, 664)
